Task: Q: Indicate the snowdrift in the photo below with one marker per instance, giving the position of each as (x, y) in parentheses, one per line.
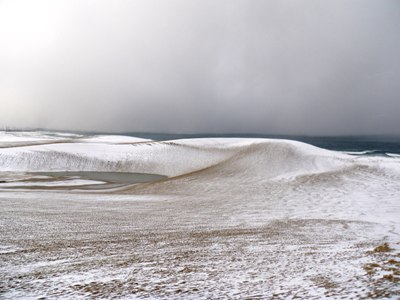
(257, 158)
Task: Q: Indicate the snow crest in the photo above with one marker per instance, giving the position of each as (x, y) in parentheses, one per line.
(263, 158)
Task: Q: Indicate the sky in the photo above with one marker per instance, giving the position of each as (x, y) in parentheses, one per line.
(201, 66)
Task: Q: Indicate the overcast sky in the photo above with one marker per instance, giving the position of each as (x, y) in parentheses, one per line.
(216, 66)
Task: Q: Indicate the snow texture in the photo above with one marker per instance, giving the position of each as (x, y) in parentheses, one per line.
(236, 218)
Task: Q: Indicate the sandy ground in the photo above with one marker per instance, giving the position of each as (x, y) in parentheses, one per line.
(56, 246)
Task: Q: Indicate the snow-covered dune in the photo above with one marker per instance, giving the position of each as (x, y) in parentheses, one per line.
(256, 212)
(262, 169)
(219, 162)
(10, 139)
(263, 158)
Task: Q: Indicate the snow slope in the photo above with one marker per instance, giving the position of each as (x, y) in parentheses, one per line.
(236, 218)
(232, 166)
(266, 158)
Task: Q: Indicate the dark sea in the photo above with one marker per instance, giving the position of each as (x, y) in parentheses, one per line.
(357, 145)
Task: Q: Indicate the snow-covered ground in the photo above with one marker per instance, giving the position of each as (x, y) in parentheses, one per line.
(236, 218)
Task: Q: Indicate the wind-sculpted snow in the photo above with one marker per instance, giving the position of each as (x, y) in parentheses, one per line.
(261, 158)
(235, 219)
(30, 138)
(160, 158)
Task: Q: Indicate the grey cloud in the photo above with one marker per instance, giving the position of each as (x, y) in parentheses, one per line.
(309, 67)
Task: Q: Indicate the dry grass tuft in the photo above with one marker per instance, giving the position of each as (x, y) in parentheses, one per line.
(383, 248)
